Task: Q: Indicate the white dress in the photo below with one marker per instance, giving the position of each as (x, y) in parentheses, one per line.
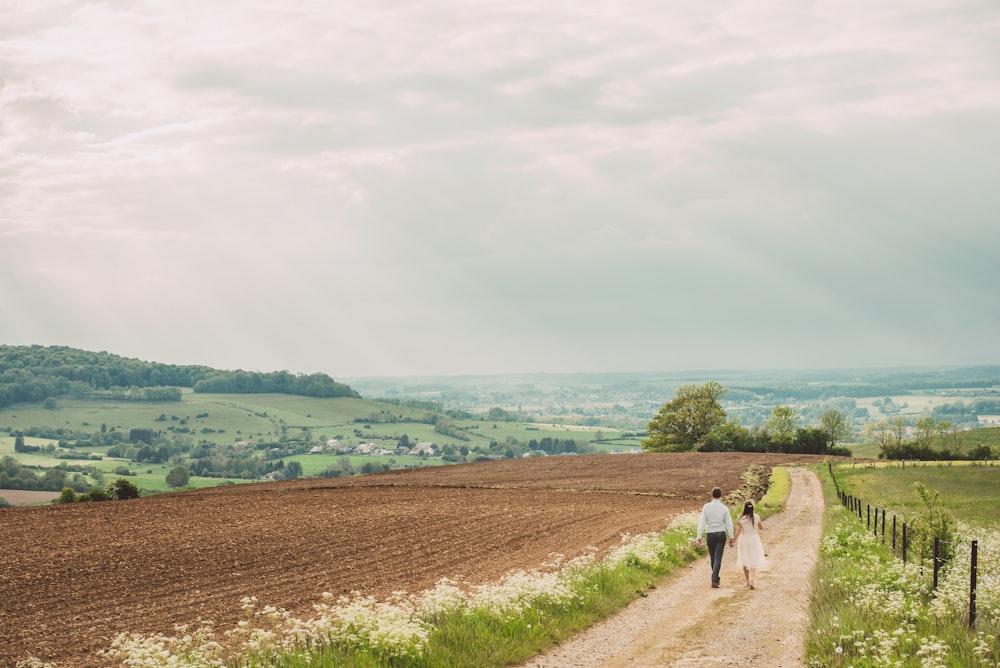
(749, 549)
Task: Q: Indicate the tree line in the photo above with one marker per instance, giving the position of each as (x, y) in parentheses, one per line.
(36, 373)
(695, 420)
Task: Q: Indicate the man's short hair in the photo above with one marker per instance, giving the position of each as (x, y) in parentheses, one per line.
(717, 493)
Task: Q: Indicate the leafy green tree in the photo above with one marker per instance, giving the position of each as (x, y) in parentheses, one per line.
(729, 436)
(68, 495)
(927, 430)
(810, 440)
(178, 476)
(836, 425)
(781, 426)
(684, 423)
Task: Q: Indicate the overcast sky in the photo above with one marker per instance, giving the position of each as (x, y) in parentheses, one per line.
(380, 187)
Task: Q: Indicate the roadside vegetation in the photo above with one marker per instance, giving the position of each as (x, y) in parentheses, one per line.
(872, 609)
(450, 625)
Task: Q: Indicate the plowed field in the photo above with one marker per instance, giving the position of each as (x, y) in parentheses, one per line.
(74, 576)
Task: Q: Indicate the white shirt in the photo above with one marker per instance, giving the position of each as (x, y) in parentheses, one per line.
(715, 517)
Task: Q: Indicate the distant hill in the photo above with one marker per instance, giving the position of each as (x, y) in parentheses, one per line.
(35, 373)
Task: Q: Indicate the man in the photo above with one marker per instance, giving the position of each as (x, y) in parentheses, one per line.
(716, 524)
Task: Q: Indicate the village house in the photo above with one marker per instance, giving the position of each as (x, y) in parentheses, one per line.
(424, 448)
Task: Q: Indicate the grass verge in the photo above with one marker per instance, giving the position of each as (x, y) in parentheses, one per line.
(870, 609)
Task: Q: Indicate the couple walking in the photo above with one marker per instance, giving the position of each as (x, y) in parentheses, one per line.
(716, 524)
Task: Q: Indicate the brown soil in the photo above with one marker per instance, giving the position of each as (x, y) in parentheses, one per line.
(74, 576)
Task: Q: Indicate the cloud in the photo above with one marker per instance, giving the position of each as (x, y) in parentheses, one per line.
(469, 187)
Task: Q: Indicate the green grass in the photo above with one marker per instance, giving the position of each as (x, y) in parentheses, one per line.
(251, 417)
(869, 609)
(777, 492)
(970, 492)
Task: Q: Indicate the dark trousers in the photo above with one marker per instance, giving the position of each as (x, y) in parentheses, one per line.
(716, 541)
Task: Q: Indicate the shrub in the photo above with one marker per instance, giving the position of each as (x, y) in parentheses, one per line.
(94, 494)
(178, 476)
(122, 489)
(935, 522)
(68, 495)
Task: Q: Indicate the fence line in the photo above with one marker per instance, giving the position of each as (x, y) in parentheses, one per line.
(864, 514)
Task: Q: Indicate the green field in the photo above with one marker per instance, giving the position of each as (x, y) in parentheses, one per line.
(228, 418)
(971, 492)
(263, 421)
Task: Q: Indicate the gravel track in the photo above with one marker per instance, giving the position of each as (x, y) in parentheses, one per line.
(685, 623)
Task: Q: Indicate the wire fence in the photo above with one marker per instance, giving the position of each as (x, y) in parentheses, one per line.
(898, 536)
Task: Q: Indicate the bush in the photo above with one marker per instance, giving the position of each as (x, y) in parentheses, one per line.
(122, 489)
(68, 495)
(94, 494)
(178, 477)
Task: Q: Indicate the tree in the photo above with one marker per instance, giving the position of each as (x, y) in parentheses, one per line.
(684, 423)
(898, 428)
(926, 430)
(880, 434)
(836, 425)
(954, 439)
(726, 437)
(178, 477)
(292, 471)
(781, 426)
(122, 489)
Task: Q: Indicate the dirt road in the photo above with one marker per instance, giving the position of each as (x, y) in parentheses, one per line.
(685, 623)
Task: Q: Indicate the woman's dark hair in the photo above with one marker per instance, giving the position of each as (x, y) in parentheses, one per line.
(748, 509)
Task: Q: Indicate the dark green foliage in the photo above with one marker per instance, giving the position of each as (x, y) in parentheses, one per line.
(685, 423)
(68, 495)
(292, 471)
(37, 373)
(122, 489)
(178, 477)
(282, 382)
(95, 494)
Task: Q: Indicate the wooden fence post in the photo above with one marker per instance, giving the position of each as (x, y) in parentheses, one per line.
(972, 583)
(936, 562)
(904, 542)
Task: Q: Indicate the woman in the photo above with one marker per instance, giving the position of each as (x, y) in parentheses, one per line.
(749, 549)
